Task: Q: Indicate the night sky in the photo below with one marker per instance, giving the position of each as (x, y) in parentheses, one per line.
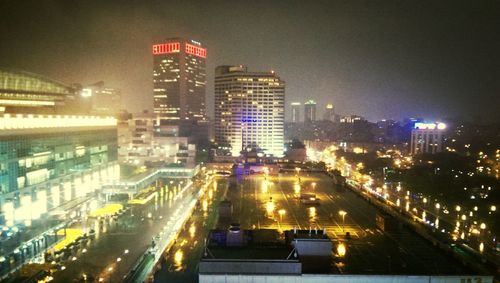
(380, 59)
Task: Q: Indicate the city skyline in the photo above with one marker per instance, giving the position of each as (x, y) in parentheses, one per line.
(432, 66)
(249, 141)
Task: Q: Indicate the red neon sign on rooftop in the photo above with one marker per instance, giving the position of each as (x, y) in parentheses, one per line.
(196, 51)
(175, 47)
(166, 48)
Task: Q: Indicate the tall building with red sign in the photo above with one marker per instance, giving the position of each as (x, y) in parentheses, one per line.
(179, 80)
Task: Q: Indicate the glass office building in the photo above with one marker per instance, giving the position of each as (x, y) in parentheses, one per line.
(46, 161)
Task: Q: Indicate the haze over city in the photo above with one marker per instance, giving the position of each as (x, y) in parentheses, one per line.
(249, 141)
(381, 59)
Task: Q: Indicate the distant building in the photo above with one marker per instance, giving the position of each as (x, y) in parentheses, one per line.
(295, 112)
(310, 111)
(179, 79)
(352, 119)
(23, 92)
(143, 140)
(104, 100)
(329, 114)
(249, 110)
(427, 138)
(296, 151)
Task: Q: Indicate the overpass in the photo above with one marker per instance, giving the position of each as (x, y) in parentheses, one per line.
(134, 184)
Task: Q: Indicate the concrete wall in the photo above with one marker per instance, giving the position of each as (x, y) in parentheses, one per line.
(313, 247)
(249, 267)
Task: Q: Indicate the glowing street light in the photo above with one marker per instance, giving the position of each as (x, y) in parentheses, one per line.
(313, 185)
(178, 256)
(205, 205)
(270, 207)
(457, 209)
(281, 212)
(342, 213)
(296, 188)
(493, 208)
(341, 250)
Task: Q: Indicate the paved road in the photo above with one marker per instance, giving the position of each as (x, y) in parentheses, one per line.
(180, 262)
(119, 243)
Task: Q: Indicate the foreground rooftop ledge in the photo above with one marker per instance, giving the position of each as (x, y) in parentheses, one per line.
(270, 267)
(341, 278)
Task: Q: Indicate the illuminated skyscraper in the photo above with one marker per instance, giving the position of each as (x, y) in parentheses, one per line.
(179, 79)
(249, 110)
(295, 112)
(310, 111)
(104, 100)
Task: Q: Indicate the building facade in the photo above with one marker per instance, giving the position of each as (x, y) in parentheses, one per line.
(427, 138)
(48, 160)
(310, 111)
(295, 112)
(179, 79)
(103, 100)
(350, 119)
(145, 140)
(249, 110)
(329, 114)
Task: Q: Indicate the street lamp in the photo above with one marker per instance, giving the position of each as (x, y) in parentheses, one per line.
(342, 213)
(281, 213)
(341, 250)
(270, 207)
(314, 185)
